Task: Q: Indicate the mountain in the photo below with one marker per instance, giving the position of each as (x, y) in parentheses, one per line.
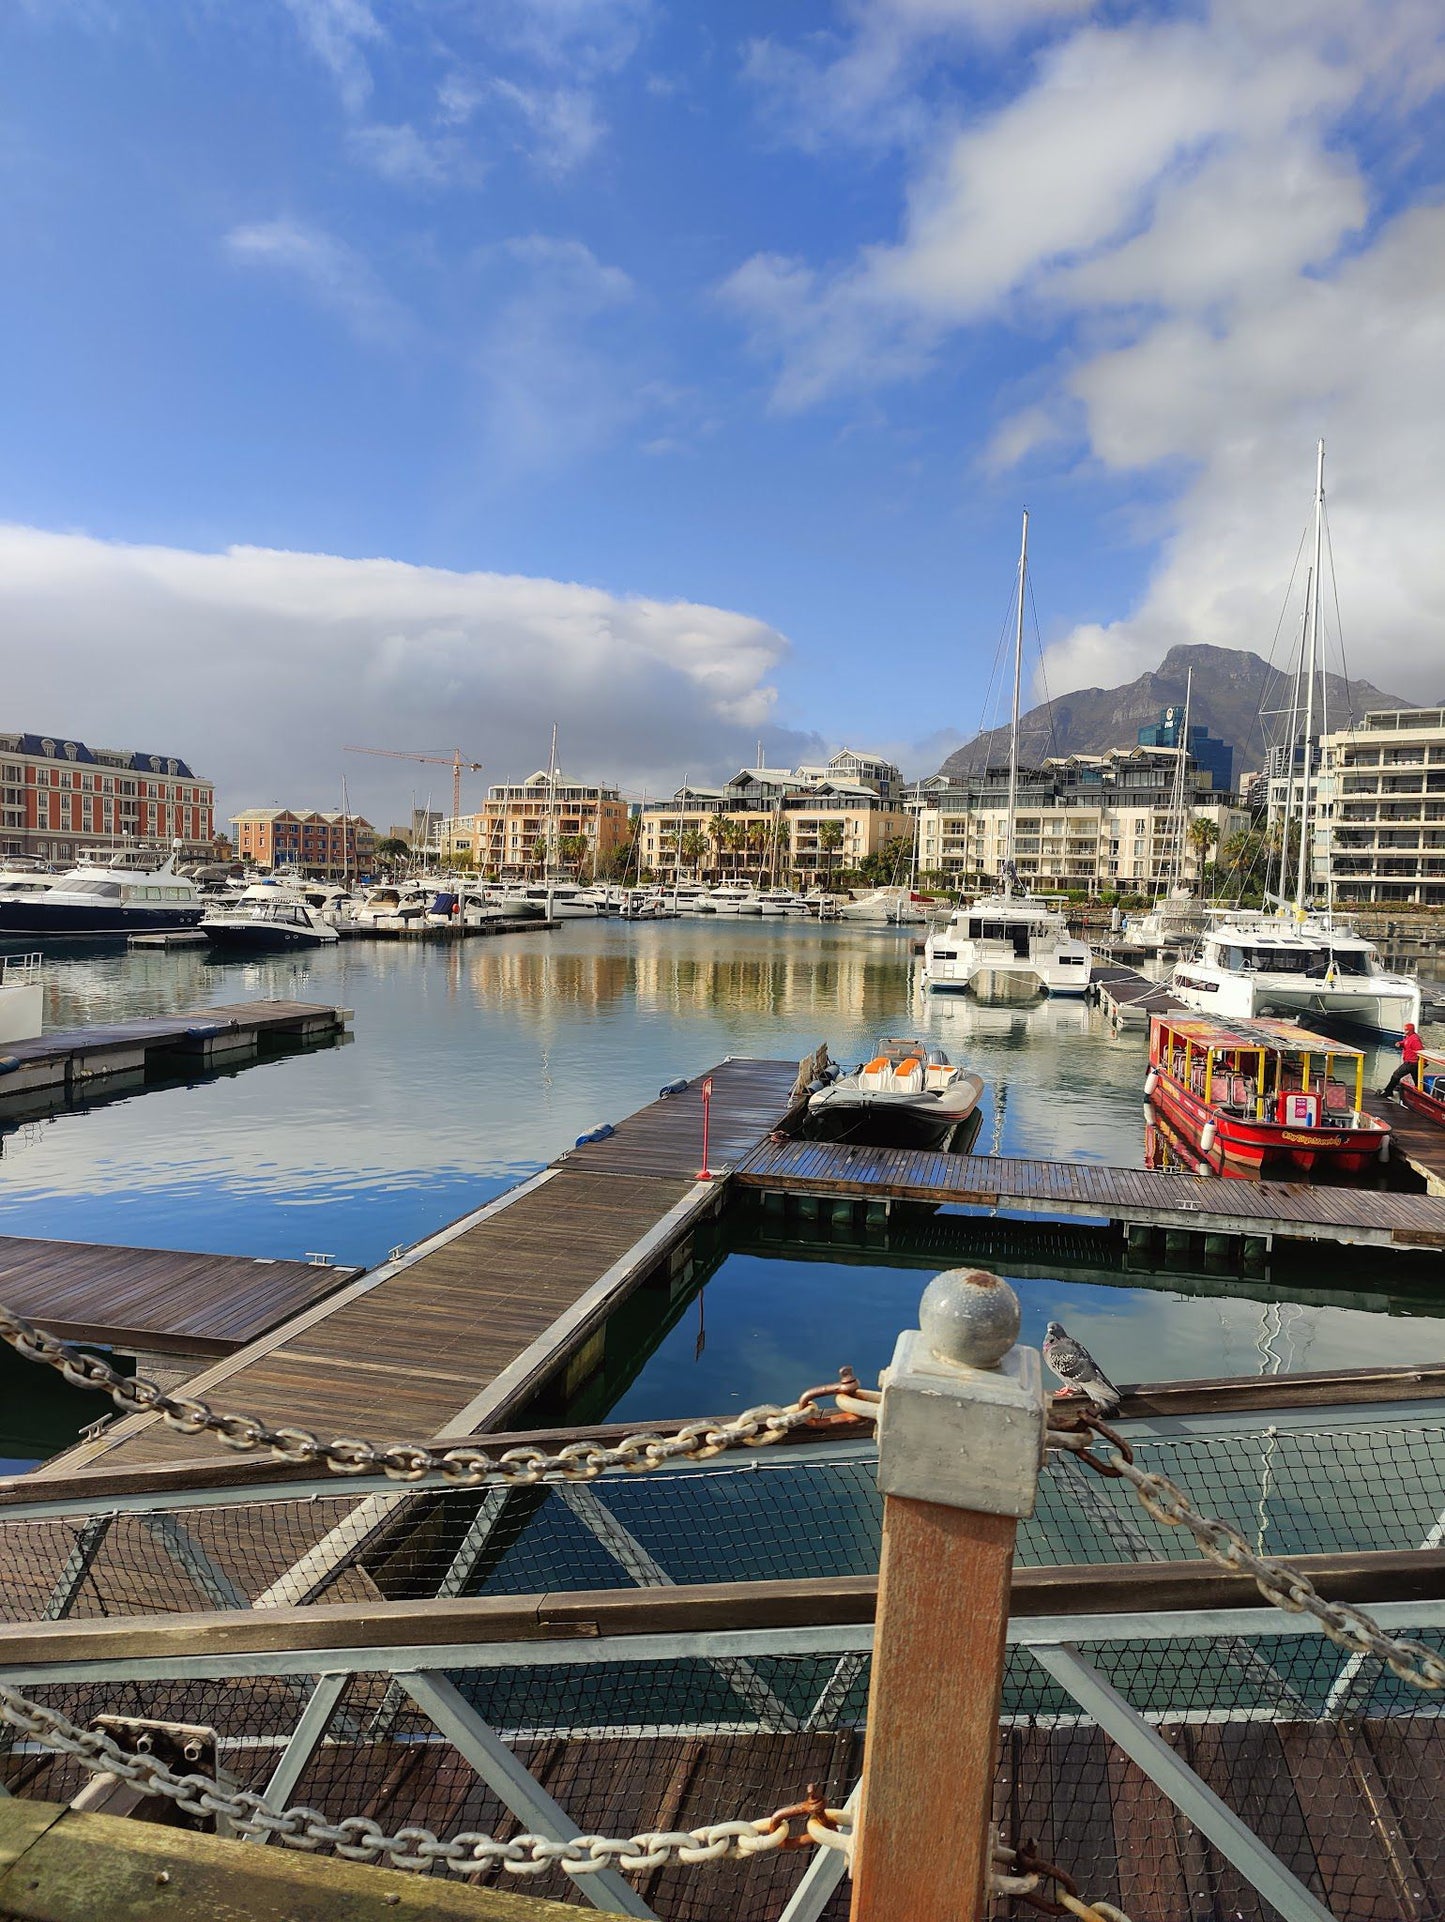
(1230, 689)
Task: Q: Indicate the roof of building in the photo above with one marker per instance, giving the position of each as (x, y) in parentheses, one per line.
(55, 747)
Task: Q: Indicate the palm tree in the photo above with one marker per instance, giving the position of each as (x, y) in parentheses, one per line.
(719, 828)
(572, 852)
(830, 840)
(693, 848)
(1201, 837)
(756, 837)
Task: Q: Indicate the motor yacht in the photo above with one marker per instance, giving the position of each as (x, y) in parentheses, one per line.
(394, 904)
(1006, 944)
(558, 901)
(907, 1095)
(269, 926)
(128, 892)
(1252, 964)
(734, 898)
(773, 903)
(886, 907)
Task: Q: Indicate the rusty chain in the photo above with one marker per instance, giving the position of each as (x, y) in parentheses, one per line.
(464, 1467)
(1019, 1875)
(1074, 1427)
(359, 1839)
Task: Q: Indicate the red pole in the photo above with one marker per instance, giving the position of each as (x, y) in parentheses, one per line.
(705, 1173)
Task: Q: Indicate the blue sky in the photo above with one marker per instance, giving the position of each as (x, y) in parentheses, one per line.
(689, 365)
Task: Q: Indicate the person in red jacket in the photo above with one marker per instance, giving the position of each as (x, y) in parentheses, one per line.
(1411, 1048)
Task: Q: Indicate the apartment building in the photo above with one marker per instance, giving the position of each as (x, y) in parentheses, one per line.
(800, 825)
(1085, 823)
(329, 846)
(546, 819)
(58, 797)
(1380, 832)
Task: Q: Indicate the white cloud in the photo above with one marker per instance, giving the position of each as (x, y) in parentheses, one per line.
(259, 667)
(402, 155)
(333, 274)
(336, 32)
(1187, 204)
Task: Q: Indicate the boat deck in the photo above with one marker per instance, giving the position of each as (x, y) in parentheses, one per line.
(1419, 1141)
(1128, 996)
(155, 1299)
(1298, 1211)
(459, 1331)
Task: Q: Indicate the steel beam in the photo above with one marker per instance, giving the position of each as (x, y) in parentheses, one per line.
(520, 1791)
(305, 1739)
(78, 1564)
(1194, 1799)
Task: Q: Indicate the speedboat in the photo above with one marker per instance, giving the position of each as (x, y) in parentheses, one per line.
(1006, 942)
(1262, 1097)
(394, 905)
(1252, 964)
(270, 925)
(908, 1095)
(124, 893)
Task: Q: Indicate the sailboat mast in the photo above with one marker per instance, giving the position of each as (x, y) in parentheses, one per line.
(1013, 737)
(551, 867)
(1180, 782)
(1306, 826)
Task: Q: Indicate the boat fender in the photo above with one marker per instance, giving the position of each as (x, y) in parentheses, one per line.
(203, 1031)
(9, 1063)
(602, 1132)
(1384, 1145)
(1151, 1082)
(673, 1087)
(817, 1087)
(1207, 1134)
(1205, 1168)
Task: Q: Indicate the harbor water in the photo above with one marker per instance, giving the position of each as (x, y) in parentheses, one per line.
(473, 1063)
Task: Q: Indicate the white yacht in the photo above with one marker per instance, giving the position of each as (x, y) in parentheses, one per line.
(885, 907)
(118, 893)
(734, 898)
(1291, 961)
(268, 926)
(1256, 964)
(393, 904)
(1008, 945)
(557, 900)
(775, 902)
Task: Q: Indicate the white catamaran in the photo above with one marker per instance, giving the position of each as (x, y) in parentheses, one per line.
(1291, 960)
(1006, 944)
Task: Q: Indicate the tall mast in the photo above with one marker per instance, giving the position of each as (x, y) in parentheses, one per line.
(1013, 737)
(1177, 806)
(551, 866)
(1306, 824)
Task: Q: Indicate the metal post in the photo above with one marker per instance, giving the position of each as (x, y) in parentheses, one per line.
(960, 1444)
(704, 1173)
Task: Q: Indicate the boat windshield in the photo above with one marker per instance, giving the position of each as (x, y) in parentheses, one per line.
(109, 890)
(1263, 959)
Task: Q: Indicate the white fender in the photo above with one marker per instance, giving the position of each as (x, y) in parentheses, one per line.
(1205, 1168)
(1385, 1149)
(1207, 1134)
(1151, 1082)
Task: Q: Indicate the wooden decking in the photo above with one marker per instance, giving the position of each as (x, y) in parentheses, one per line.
(155, 1298)
(457, 1333)
(1285, 1210)
(1129, 996)
(1417, 1140)
(70, 1057)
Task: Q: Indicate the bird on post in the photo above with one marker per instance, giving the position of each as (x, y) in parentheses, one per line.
(1076, 1368)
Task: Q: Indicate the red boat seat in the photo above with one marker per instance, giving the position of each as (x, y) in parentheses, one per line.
(1337, 1098)
(1241, 1091)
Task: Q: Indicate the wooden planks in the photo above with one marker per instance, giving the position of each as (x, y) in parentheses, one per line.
(750, 1098)
(155, 1298)
(1296, 1210)
(1419, 1140)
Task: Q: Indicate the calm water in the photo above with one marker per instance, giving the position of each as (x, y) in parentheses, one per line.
(475, 1063)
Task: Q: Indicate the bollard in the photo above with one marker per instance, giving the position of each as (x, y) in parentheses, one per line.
(960, 1445)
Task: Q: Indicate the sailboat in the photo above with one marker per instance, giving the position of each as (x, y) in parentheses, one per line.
(1008, 944)
(1287, 959)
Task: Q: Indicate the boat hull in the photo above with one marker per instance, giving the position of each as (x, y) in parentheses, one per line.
(1243, 997)
(1246, 1147)
(263, 940)
(1428, 1106)
(58, 918)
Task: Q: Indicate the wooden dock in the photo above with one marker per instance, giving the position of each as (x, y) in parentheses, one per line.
(218, 1036)
(1416, 1140)
(461, 1331)
(1128, 997)
(153, 1300)
(1130, 1197)
(446, 930)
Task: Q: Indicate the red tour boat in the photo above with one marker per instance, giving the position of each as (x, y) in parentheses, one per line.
(1263, 1097)
(1425, 1093)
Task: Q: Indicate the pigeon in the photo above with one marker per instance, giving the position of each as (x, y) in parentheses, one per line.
(1076, 1368)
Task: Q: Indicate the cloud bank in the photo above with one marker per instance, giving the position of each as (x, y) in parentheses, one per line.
(260, 667)
(1226, 228)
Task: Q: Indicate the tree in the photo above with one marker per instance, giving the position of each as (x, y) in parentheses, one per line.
(1201, 837)
(572, 852)
(718, 827)
(392, 848)
(692, 848)
(830, 840)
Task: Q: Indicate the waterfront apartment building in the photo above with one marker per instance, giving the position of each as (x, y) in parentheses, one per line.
(58, 797)
(796, 825)
(1085, 823)
(1380, 833)
(545, 820)
(329, 846)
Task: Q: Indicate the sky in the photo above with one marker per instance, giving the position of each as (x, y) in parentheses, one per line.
(420, 373)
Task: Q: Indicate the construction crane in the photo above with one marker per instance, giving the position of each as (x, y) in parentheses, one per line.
(454, 759)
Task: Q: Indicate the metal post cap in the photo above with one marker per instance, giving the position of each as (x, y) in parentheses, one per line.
(969, 1317)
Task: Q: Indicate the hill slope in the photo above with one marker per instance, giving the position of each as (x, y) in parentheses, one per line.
(1230, 688)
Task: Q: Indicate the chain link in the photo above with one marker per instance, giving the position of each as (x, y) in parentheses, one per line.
(359, 1839)
(464, 1467)
(1277, 1581)
(1019, 1874)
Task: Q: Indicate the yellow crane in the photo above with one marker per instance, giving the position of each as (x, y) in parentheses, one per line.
(452, 758)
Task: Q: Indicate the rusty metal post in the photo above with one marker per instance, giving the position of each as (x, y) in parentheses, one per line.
(960, 1444)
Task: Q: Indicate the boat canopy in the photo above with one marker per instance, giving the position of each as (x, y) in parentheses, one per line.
(1277, 1037)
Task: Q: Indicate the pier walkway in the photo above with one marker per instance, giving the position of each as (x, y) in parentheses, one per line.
(156, 1300)
(1278, 1210)
(461, 1330)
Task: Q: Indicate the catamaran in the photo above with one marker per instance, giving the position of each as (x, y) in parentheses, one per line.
(1009, 942)
(1295, 961)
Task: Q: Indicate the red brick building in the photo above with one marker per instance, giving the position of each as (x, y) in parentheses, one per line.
(58, 797)
(322, 844)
